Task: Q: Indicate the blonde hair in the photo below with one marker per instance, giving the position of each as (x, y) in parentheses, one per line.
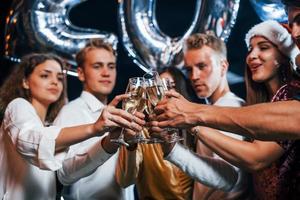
(93, 44)
(198, 40)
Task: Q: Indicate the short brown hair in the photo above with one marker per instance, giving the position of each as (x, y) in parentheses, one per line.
(198, 40)
(93, 44)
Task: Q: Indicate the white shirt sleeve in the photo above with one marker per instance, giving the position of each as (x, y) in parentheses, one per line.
(31, 139)
(209, 171)
(83, 158)
(81, 162)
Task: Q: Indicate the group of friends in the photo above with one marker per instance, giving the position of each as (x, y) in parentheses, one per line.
(232, 149)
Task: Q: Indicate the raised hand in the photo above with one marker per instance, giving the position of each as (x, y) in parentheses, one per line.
(112, 117)
(175, 112)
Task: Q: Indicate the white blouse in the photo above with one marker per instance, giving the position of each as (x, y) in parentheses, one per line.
(27, 154)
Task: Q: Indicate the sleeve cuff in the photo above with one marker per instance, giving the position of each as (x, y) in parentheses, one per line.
(98, 155)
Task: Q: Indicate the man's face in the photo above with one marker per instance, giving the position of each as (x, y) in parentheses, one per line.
(204, 69)
(99, 72)
(294, 22)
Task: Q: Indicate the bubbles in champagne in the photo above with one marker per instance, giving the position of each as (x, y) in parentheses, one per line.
(136, 101)
(155, 94)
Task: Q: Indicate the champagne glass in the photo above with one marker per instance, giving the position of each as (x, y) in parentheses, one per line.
(155, 92)
(172, 134)
(135, 102)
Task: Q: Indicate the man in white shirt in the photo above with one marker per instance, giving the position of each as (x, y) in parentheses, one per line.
(206, 63)
(88, 170)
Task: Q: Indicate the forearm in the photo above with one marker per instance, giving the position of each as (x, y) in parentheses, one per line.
(211, 172)
(72, 135)
(237, 152)
(268, 121)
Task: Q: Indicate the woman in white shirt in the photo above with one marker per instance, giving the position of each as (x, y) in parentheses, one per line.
(30, 152)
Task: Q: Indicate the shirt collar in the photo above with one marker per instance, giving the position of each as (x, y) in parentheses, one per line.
(92, 102)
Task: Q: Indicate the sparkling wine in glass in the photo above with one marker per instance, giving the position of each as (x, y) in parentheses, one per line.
(172, 134)
(135, 102)
(155, 93)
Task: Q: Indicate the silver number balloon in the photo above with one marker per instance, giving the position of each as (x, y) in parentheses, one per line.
(151, 48)
(43, 26)
(269, 9)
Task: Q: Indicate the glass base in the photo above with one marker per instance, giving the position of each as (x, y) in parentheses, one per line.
(140, 139)
(173, 138)
(145, 140)
(120, 141)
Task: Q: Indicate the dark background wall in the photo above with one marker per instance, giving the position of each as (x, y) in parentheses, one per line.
(173, 17)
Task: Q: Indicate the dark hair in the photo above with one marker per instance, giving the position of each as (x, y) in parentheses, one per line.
(13, 85)
(93, 44)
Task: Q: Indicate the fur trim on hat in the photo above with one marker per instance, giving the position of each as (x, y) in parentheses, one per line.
(278, 35)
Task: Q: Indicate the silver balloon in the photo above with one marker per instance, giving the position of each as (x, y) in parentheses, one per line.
(151, 48)
(43, 26)
(270, 9)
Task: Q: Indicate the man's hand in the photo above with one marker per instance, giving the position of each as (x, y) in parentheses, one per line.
(112, 117)
(174, 111)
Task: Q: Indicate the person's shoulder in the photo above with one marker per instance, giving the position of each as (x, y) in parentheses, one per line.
(74, 105)
(19, 110)
(70, 113)
(19, 103)
(230, 99)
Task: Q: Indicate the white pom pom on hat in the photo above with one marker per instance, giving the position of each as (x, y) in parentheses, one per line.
(278, 35)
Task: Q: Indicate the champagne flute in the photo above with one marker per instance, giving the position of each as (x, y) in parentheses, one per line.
(172, 133)
(135, 102)
(155, 93)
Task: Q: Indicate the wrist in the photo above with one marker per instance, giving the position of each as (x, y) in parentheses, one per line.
(167, 148)
(108, 146)
(98, 130)
(200, 115)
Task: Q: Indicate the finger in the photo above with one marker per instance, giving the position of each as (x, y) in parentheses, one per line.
(139, 115)
(159, 109)
(174, 94)
(119, 112)
(156, 129)
(164, 124)
(121, 122)
(152, 117)
(127, 116)
(118, 98)
(129, 134)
